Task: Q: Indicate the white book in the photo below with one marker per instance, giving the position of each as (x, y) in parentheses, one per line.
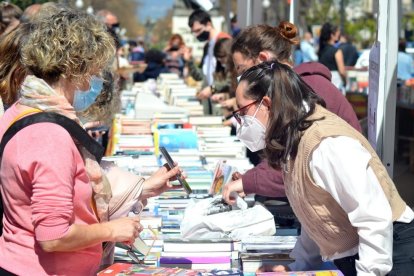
(197, 254)
(197, 245)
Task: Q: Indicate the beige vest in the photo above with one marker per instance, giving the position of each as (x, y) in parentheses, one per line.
(320, 215)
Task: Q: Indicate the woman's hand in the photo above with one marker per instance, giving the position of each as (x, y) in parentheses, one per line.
(205, 93)
(187, 53)
(272, 268)
(234, 186)
(125, 229)
(218, 97)
(93, 129)
(159, 182)
(230, 103)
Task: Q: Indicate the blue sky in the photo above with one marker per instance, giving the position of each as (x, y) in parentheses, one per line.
(153, 9)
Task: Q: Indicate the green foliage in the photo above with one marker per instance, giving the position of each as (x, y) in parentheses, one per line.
(362, 30)
(24, 3)
(356, 30)
(321, 12)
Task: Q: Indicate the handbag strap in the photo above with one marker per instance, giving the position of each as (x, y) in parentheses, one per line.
(74, 129)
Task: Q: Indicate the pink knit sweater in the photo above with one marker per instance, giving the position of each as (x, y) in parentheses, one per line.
(45, 190)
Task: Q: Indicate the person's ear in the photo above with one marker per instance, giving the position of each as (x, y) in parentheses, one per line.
(267, 102)
(263, 56)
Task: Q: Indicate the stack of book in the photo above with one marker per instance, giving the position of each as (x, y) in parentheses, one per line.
(176, 139)
(186, 99)
(303, 273)
(198, 254)
(261, 250)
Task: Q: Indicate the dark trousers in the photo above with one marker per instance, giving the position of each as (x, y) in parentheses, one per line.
(403, 253)
(347, 265)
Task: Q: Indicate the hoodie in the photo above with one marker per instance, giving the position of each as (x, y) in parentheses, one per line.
(266, 181)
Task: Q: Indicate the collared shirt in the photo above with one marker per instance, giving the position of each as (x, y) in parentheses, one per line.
(210, 62)
(352, 183)
(405, 67)
(308, 52)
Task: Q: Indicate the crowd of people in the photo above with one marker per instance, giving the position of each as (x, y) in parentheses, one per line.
(283, 96)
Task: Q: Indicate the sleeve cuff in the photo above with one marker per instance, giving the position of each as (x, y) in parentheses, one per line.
(45, 232)
(249, 182)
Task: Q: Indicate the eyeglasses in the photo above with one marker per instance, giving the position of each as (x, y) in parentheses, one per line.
(132, 249)
(237, 113)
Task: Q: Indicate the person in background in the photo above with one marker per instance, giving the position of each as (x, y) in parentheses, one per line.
(225, 78)
(174, 51)
(348, 49)
(405, 66)
(225, 75)
(297, 55)
(12, 72)
(235, 29)
(308, 50)
(258, 44)
(29, 12)
(137, 54)
(50, 224)
(155, 61)
(112, 23)
(10, 16)
(332, 57)
(202, 28)
(349, 208)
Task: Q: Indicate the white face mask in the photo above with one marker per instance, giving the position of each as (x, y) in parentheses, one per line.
(252, 132)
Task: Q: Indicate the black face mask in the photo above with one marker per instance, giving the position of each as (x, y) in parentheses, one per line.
(204, 36)
(115, 28)
(174, 48)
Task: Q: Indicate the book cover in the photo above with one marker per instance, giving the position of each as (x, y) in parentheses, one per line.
(303, 273)
(123, 269)
(195, 260)
(222, 175)
(213, 272)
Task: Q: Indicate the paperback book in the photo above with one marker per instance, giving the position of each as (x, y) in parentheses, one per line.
(303, 273)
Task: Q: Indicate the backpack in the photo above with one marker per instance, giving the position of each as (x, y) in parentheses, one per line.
(74, 129)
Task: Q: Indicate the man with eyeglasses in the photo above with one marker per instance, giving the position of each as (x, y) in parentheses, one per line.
(203, 29)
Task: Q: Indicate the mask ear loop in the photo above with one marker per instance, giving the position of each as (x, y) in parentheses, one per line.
(260, 104)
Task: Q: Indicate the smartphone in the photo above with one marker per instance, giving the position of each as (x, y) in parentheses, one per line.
(170, 163)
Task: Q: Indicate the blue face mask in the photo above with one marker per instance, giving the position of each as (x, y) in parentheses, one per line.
(83, 99)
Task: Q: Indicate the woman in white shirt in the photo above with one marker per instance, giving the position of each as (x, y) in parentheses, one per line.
(348, 206)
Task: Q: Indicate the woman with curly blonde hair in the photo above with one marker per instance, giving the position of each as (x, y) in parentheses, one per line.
(58, 204)
(12, 72)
